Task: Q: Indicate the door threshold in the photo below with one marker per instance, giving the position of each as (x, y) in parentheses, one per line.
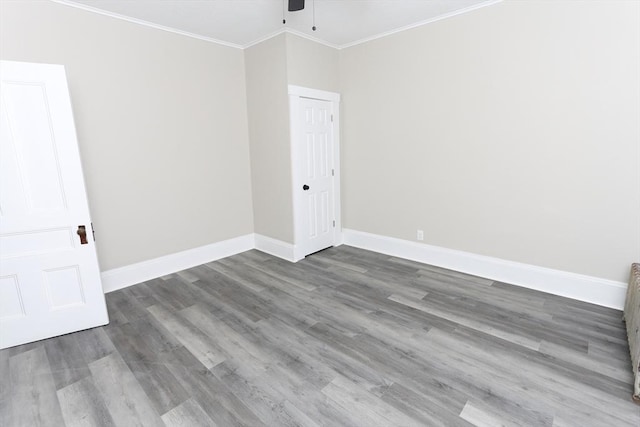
(317, 252)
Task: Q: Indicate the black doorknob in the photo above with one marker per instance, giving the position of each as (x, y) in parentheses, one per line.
(305, 187)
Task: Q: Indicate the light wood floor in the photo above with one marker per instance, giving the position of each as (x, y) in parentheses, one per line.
(344, 338)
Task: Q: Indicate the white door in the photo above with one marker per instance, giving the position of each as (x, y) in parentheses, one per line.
(316, 183)
(49, 276)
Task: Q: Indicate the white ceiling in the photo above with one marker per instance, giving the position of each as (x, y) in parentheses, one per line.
(241, 23)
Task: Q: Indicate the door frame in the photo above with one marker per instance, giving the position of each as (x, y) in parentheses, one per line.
(296, 133)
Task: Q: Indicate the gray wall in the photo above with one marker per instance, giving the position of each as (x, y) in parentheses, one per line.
(268, 112)
(270, 67)
(161, 122)
(510, 131)
(312, 65)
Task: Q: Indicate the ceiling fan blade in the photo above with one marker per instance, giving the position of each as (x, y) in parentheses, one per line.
(295, 5)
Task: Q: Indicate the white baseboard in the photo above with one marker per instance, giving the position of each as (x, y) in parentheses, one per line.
(607, 293)
(275, 247)
(119, 278)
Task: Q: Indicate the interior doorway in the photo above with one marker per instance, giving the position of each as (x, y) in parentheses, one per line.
(315, 155)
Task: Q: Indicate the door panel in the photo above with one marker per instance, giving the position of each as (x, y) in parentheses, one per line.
(49, 281)
(11, 305)
(37, 167)
(316, 153)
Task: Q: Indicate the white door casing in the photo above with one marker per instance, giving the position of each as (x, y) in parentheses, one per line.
(315, 168)
(49, 281)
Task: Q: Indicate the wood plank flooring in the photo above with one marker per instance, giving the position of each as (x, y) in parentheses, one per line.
(345, 337)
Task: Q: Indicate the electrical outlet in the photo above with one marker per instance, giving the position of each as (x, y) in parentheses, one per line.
(420, 235)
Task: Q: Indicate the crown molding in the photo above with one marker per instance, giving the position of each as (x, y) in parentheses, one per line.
(311, 38)
(264, 39)
(421, 23)
(290, 31)
(274, 34)
(145, 23)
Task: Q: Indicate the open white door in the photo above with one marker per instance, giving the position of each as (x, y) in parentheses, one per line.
(49, 276)
(315, 169)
